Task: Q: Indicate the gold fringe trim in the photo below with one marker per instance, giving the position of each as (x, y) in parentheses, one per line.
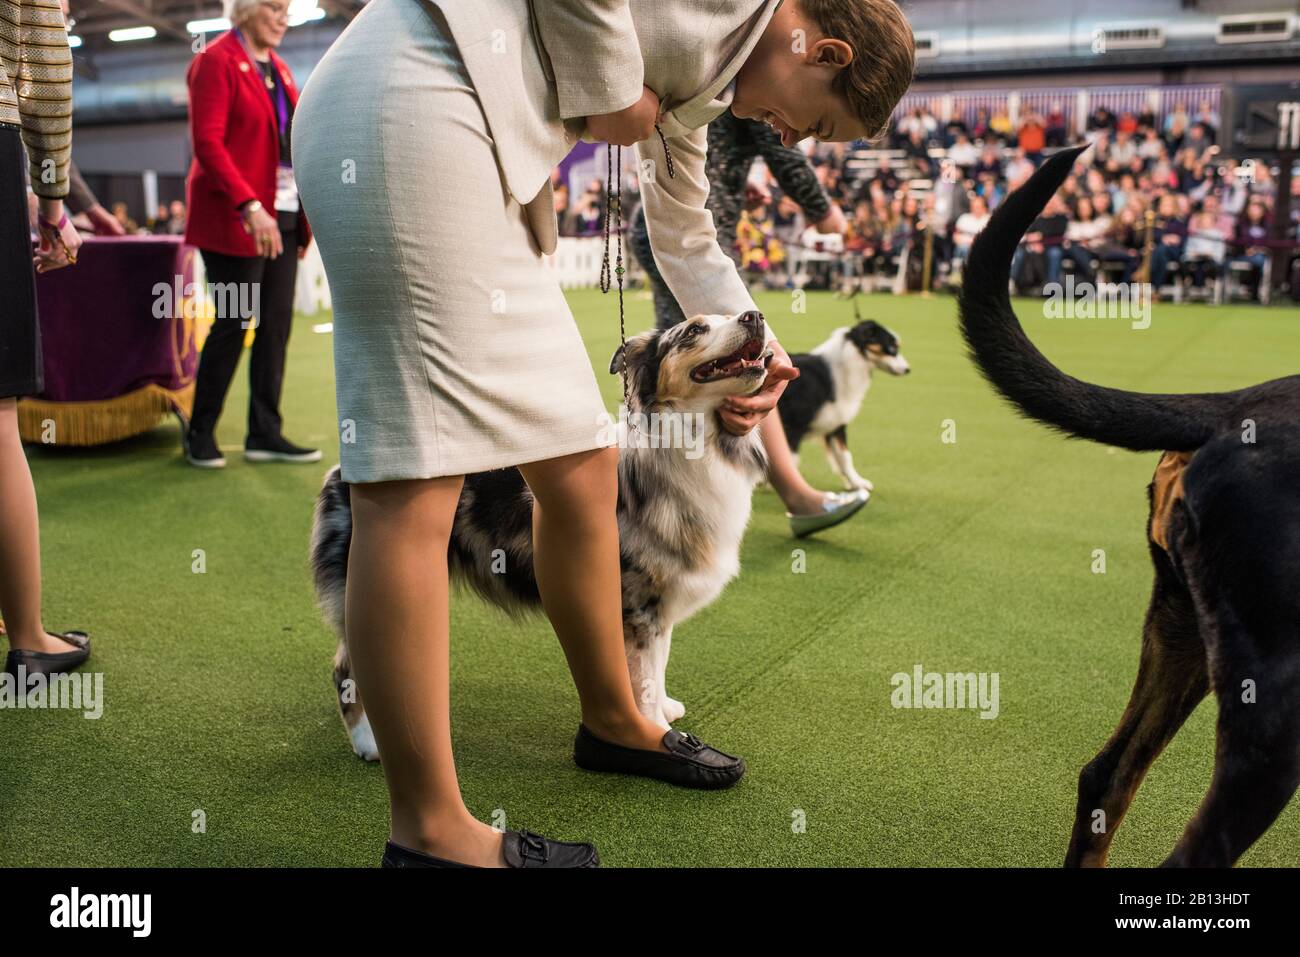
(98, 423)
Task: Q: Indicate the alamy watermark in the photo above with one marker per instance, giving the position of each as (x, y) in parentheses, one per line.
(83, 691)
(1109, 300)
(954, 690)
(653, 430)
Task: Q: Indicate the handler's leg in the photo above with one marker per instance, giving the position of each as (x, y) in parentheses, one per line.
(799, 497)
(576, 560)
(397, 625)
(20, 544)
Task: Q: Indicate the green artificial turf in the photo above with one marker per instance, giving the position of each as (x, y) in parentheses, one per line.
(973, 556)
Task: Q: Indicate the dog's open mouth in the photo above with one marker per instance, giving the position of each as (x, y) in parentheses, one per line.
(749, 359)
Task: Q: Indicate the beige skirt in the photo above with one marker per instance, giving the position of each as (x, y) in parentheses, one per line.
(454, 349)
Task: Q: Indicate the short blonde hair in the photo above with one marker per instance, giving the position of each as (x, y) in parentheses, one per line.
(884, 55)
(238, 11)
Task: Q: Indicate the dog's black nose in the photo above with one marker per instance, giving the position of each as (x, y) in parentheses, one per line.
(753, 319)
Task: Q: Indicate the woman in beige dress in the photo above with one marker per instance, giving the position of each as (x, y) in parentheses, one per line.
(423, 145)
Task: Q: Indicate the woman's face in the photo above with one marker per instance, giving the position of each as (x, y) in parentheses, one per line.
(267, 24)
(791, 92)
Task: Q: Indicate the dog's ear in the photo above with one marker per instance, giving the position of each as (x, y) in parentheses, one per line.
(632, 349)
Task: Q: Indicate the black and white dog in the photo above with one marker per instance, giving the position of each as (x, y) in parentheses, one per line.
(833, 381)
(685, 490)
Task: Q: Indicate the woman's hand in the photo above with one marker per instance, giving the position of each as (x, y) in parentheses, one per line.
(627, 126)
(59, 242)
(266, 234)
(741, 414)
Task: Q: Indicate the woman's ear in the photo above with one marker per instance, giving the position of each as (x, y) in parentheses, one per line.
(830, 52)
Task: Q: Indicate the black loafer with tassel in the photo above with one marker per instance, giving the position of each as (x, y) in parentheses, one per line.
(521, 848)
(50, 663)
(688, 762)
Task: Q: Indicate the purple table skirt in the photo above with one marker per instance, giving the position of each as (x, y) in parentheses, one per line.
(117, 320)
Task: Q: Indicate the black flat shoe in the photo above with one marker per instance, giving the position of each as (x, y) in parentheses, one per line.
(521, 848)
(50, 663)
(688, 762)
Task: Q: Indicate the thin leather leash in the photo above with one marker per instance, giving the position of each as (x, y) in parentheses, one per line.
(614, 208)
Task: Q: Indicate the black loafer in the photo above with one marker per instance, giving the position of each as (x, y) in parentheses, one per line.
(688, 762)
(50, 663)
(521, 848)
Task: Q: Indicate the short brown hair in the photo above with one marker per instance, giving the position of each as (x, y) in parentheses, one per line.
(884, 55)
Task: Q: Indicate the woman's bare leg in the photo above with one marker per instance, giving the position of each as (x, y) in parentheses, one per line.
(20, 543)
(576, 561)
(397, 631)
(799, 497)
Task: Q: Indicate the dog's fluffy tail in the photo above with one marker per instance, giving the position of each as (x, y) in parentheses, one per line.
(999, 346)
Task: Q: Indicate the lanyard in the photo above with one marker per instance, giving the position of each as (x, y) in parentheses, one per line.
(279, 97)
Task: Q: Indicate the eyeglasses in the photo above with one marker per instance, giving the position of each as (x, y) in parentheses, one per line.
(279, 11)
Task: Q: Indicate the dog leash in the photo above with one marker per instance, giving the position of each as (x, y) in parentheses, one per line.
(614, 208)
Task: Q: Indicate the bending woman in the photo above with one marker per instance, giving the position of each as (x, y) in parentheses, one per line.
(423, 144)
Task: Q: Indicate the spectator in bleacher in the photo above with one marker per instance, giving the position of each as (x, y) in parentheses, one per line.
(1208, 117)
(980, 128)
(1127, 123)
(160, 225)
(1037, 260)
(1055, 126)
(1032, 138)
(1122, 150)
(177, 219)
(1085, 235)
(917, 151)
(967, 227)
(1253, 230)
(246, 220)
(1000, 125)
(955, 127)
(1207, 242)
(1170, 237)
(963, 153)
(1100, 120)
(128, 225)
(587, 217)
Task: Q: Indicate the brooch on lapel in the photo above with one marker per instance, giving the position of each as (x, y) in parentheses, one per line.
(243, 66)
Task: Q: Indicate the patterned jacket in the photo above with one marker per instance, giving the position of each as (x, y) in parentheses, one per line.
(36, 88)
(733, 145)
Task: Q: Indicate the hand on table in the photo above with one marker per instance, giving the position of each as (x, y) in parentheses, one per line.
(59, 239)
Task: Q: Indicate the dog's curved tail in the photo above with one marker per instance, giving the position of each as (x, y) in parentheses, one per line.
(999, 346)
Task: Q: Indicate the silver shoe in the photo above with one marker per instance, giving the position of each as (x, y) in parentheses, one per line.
(839, 507)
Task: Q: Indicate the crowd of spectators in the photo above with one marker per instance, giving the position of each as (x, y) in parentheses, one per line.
(1155, 200)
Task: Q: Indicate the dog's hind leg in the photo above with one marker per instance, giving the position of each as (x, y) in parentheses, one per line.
(841, 459)
(1243, 570)
(351, 709)
(1171, 681)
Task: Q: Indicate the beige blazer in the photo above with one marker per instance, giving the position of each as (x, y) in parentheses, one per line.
(541, 66)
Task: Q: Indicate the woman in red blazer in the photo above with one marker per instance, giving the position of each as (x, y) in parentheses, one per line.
(246, 220)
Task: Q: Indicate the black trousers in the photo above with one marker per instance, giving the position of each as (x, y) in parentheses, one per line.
(244, 288)
(21, 369)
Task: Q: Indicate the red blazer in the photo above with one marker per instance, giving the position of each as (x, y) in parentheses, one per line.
(236, 143)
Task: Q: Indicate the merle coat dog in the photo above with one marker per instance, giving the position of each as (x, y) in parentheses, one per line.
(1224, 537)
(685, 491)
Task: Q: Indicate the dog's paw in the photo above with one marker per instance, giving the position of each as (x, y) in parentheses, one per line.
(861, 483)
(363, 740)
(673, 710)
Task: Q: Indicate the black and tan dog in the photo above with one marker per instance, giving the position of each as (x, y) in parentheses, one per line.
(1224, 533)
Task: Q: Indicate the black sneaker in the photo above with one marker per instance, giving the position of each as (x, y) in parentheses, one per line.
(201, 450)
(278, 449)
